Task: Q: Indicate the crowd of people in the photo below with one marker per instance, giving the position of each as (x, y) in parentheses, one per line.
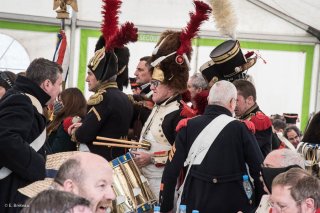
(199, 139)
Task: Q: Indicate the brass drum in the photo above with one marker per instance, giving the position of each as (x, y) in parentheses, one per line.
(132, 190)
(311, 154)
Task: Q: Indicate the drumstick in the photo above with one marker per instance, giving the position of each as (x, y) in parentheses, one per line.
(121, 141)
(117, 145)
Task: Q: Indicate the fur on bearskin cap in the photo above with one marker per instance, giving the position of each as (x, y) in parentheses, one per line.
(123, 55)
(175, 75)
(171, 56)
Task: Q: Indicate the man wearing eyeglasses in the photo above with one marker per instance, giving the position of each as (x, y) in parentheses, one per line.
(277, 162)
(169, 80)
(295, 191)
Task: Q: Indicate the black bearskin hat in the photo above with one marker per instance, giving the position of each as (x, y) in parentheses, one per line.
(104, 64)
(172, 53)
(120, 69)
(174, 75)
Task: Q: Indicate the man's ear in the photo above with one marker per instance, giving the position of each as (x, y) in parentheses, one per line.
(309, 203)
(69, 186)
(250, 99)
(45, 85)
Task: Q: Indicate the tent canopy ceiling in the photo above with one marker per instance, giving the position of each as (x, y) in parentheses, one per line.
(306, 11)
(174, 14)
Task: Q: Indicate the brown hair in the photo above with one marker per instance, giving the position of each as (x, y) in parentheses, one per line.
(54, 201)
(41, 69)
(245, 88)
(302, 185)
(74, 103)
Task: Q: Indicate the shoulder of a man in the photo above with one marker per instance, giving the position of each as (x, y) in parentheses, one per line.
(260, 121)
(15, 99)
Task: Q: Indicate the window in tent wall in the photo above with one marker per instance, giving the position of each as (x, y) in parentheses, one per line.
(13, 56)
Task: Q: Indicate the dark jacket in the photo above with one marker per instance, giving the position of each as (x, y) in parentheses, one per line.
(263, 128)
(20, 124)
(109, 117)
(60, 141)
(140, 111)
(226, 158)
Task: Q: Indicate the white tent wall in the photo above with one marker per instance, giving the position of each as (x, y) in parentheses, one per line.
(38, 40)
(289, 50)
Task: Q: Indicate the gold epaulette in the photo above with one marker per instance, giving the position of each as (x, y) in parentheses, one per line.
(96, 98)
(130, 97)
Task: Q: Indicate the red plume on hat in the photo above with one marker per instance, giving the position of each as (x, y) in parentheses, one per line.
(113, 35)
(104, 64)
(174, 71)
(201, 14)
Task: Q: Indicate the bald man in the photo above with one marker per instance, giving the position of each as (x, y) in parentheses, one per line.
(87, 175)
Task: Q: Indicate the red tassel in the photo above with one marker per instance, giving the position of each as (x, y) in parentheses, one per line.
(249, 54)
(261, 121)
(196, 19)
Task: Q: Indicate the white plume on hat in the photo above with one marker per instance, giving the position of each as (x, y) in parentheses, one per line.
(225, 17)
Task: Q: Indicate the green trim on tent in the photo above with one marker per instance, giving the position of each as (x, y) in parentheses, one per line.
(308, 49)
(28, 27)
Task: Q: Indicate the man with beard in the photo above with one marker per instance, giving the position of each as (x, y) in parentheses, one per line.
(295, 191)
(248, 109)
(82, 173)
(171, 63)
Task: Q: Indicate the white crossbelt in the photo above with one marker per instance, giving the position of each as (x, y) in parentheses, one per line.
(202, 144)
(36, 144)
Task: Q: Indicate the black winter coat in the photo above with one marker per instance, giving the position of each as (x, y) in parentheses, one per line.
(226, 158)
(20, 124)
(109, 118)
